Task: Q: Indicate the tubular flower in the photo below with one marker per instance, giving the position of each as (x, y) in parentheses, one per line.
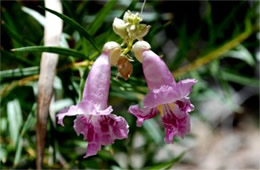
(94, 119)
(165, 95)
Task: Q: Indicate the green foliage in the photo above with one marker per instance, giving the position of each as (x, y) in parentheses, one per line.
(88, 25)
(58, 50)
(76, 26)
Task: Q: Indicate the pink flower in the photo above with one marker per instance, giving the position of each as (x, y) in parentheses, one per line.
(166, 96)
(94, 119)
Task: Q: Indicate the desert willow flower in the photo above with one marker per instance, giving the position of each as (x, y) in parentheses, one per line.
(94, 119)
(165, 95)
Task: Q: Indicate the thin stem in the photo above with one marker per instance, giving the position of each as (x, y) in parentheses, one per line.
(142, 7)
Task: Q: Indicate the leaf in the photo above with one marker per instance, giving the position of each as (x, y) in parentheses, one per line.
(101, 16)
(36, 15)
(18, 152)
(10, 55)
(241, 53)
(152, 128)
(168, 164)
(75, 25)
(30, 121)
(3, 153)
(58, 50)
(14, 114)
(22, 40)
(240, 79)
(7, 19)
(19, 72)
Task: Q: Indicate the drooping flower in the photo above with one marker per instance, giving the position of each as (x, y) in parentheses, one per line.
(165, 95)
(94, 119)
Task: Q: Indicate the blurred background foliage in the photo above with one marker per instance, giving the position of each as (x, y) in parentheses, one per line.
(216, 43)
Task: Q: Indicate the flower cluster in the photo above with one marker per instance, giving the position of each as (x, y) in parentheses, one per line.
(130, 28)
(95, 120)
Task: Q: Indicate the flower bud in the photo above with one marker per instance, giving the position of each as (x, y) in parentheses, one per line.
(114, 51)
(126, 16)
(139, 47)
(142, 31)
(119, 27)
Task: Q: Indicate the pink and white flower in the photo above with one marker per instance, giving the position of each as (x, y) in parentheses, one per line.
(165, 95)
(94, 119)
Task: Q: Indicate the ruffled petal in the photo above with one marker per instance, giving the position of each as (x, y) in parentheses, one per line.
(175, 122)
(165, 94)
(169, 94)
(184, 87)
(142, 114)
(83, 125)
(106, 111)
(185, 105)
(156, 71)
(100, 130)
(111, 128)
(71, 111)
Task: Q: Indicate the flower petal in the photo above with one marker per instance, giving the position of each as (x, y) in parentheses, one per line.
(112, 127)
(175, 122)
(98, 82)
(100, 130)
(163, 95)
(71, 111)
(185, 105)
(142, 114)
(84, 126)
(106, 111)
(169, 94)
(94, 144)
(156, 71)
(184, 87)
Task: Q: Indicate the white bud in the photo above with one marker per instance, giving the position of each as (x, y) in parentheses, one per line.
(139, 47)
(126, 16)
(114, 51)
(143, 30)
(119, 27)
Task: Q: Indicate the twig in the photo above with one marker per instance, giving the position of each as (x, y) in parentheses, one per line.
(52, 34)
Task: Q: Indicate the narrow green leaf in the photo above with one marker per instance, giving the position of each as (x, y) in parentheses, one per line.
(58, 50)
(35, 14)
(10, 55)
(153, 129)
(240, 52)
(75, 25)
(3, 153)
(18, 152)
(101, 16)
(19, 72)
(22, 40)
(30, 121)
(14, 114)
(240, 79)
(168, 164)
